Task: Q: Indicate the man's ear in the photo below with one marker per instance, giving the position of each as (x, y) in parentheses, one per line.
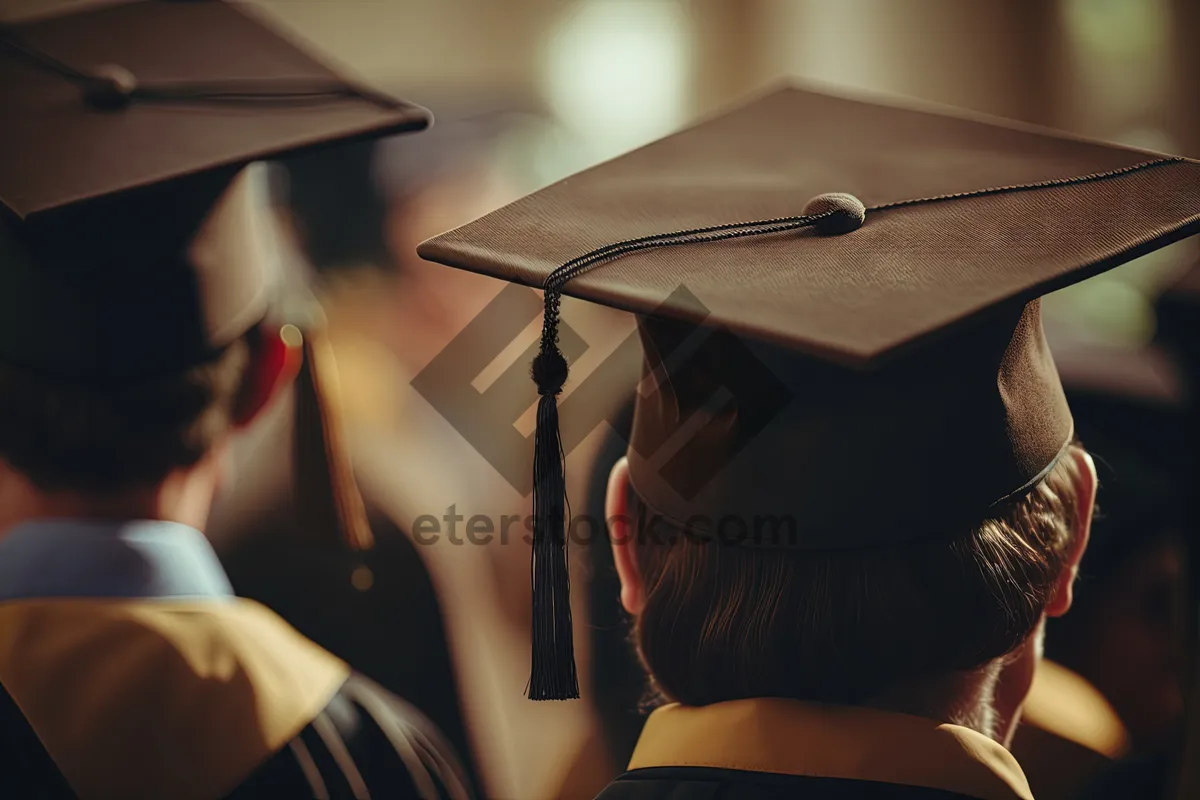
(621, 532)
(275, 356)
(1064, 589)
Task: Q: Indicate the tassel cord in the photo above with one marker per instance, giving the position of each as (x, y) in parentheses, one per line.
(553, 675)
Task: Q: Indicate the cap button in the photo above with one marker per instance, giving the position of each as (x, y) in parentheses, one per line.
(849, 213)
(110, 87)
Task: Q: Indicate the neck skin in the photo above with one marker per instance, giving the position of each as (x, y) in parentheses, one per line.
(185, 496)
(987, 699)
(960, 698)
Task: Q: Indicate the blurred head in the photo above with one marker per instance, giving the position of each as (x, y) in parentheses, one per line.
(716, 623)
(336, 207)
(146, 345)
(1124, 633)
(106, 439)
(366, 205)
(1125, 640)
(357, 213)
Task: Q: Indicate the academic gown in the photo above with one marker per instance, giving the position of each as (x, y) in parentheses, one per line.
(445, 623)
(389, 625)
(129, 670)
(772, 748)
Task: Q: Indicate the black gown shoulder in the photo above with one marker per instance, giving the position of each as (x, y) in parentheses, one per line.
(367, 743)
(706, 783)
(393, 630)
(394, 633)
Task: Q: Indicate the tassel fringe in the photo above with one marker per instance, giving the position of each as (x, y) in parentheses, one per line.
(327, 496)
(553, 675)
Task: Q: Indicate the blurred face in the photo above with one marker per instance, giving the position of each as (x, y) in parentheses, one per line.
(1127, 650)
(436, 301)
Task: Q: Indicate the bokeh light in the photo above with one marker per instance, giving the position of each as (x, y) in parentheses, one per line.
(616, 73)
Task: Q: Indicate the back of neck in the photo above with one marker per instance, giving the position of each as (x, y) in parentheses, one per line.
(185, 496)
(960, 698)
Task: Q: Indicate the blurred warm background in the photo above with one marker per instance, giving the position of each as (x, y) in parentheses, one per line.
(609, 75)
(527, 92)
(598, 77)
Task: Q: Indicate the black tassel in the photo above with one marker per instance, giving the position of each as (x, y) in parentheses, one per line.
(553, 675)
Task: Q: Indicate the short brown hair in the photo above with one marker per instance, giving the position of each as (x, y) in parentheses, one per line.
(67, 436)
(726, 622)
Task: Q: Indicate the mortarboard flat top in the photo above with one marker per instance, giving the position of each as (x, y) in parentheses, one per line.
(912, 269)
(966, 220)
(876, 370)
(55, 150)
(132, 243)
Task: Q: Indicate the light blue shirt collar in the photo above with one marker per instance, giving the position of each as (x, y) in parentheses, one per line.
(147, 559)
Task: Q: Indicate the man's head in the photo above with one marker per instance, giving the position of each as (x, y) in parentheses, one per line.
(717, 622)
(66, 436)
(135, 242)
(134, 343)
(885, 376)
(62, 438)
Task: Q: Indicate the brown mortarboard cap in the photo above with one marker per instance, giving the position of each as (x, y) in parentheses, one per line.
(124, 129)
(133, 242)
(863, 279)
(1178, 311)
(1130, 405)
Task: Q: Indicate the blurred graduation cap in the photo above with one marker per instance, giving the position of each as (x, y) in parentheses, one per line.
(133, 242)
(1178, 310)
(338, 198)
(1130, 406)
(867, 277)
(335, 207)
(471, 123)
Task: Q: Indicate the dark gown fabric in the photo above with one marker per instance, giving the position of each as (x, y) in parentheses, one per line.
(26, 767)
(697, 783)
(392, 630)
(776, 748)
(365, 744)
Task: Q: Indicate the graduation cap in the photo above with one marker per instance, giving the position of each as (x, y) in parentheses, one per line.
(1178, 314)
(1130, 406)
(1179, 330)
(336, 207)
(882, 264)
(133, 243)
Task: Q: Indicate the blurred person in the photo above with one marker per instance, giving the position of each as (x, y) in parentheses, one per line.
(136, 339)
(1129, 408)
(1179, 332)
(618, 682)
(852, 495)
(1110, 687)
(356, 217)
(376, 607)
